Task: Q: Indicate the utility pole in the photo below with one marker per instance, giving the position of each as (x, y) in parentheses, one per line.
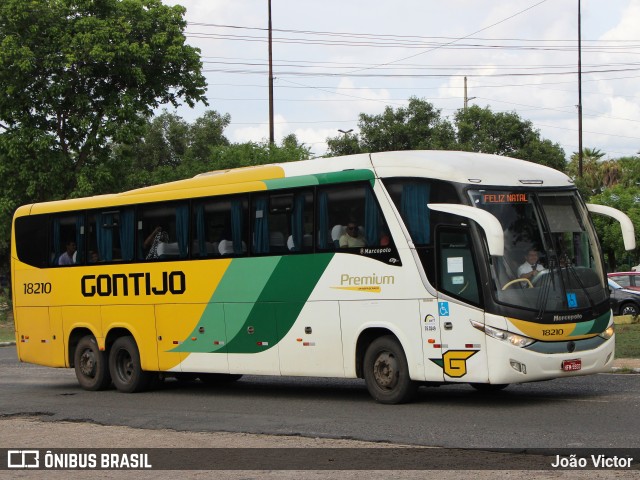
(271, 132)
(579, 92)
(466, 97)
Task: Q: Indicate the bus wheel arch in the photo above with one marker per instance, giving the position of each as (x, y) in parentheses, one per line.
(383, 364)
(89, 362)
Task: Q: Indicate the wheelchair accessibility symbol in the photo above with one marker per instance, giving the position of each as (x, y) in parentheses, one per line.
(443, 308)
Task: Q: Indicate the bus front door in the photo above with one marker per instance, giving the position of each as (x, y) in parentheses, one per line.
(463, 347)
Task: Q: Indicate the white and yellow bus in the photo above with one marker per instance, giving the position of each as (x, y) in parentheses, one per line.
(402, 268)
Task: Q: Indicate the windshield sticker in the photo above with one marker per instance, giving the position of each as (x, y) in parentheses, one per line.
(455, 265)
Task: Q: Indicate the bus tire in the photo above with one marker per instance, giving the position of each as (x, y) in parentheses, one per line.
(386, 372)
(124, 364)
(91, 365)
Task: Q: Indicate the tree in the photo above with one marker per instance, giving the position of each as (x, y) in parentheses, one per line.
(251, 153)
(345, 144)
(626, 199)
(418, 126)
(75, 74)
(597, 174)
(481, 130)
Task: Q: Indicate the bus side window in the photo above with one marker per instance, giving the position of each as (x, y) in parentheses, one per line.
(111, 236)
(67, 240)
(31, 240)
(355, 204)
(220, 226)
(163, 231)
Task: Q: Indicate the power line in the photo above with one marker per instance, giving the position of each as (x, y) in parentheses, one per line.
(421, 38)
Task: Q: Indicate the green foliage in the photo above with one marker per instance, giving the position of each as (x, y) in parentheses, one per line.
(84, 72)
(626, 199)
(75, 77)
(343, 144)
(420, 126)
(416, 127)
(481, 130)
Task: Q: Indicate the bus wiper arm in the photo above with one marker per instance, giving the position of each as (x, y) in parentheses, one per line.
(543, 298)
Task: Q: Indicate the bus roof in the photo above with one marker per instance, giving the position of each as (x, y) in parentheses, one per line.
(462, 167)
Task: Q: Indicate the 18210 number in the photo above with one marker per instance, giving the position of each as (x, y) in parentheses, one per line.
(42, 288)
(553, 332)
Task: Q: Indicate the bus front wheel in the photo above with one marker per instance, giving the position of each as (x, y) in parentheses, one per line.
(386, 372)
(124, 365)
(90, 365)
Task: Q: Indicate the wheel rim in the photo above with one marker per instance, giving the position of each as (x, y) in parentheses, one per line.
(629, 310)
(88, 363)
(124, 365)
(385, 371)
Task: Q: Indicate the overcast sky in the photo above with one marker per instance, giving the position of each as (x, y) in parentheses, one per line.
(336, 59)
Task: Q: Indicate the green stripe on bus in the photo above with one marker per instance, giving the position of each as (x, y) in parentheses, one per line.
(320, 179)
(256, 303)
(239, 288)
(597, 325)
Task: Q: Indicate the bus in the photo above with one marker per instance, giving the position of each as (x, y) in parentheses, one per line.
(401, 268)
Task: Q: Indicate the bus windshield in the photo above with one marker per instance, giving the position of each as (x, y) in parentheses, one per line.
(551, 257)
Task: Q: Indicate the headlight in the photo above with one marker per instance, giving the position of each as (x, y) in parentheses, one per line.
(608, 333)
(513, 338)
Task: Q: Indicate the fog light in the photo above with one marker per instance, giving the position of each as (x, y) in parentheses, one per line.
(518, 367)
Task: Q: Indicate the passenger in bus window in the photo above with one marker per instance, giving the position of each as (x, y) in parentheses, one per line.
(67, 257)
(352, 237)
(531, 267)
(158, 236)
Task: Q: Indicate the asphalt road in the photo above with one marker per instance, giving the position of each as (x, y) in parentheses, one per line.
(596, 412)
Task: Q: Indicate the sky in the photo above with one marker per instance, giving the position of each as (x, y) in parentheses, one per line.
(335, 59)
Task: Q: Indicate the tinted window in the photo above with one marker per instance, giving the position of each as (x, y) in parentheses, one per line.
(348, 216)
(220, 227)
(31, 240)
(163, 231)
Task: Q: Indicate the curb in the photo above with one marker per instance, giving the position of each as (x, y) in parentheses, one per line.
(7, 344)
(625, 370)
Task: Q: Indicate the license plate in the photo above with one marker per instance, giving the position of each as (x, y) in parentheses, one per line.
(571, 365)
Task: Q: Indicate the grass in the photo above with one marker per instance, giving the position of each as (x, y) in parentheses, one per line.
(628, 340)
(6, 320)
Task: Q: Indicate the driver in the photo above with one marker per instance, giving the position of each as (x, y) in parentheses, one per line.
(530, 268)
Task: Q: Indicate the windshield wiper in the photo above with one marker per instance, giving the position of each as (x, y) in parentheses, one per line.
(572, 270)
(543, 298)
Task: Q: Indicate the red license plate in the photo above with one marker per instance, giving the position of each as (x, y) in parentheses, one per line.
(571, 365)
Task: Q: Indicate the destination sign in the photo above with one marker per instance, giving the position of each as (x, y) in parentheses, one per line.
(505, 198)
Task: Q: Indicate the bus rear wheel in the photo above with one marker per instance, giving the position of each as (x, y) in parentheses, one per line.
(91, 365)
(386, 372)
(124, 365)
